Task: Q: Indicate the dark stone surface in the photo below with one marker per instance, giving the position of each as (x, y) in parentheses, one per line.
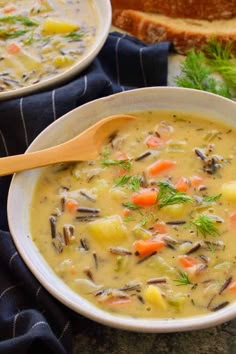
(94, 338)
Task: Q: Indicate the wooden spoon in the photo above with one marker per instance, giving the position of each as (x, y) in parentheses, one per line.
(83, 147)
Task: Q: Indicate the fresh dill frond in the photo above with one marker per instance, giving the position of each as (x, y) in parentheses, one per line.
(131, 206)
(196, 74)
(129, 218)
(122, 181)
(76, 36)
(205, 226)
(183, 279)
(133, 183)
(126, 164)
(168, 195)
(222, 61)
(211, 199)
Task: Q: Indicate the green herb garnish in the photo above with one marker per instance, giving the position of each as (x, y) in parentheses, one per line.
(6, 34)
(126, 164)
(222, 61)
(129, 218)
(211, 199)
(168, 195)
(131, 182)
(196, 74)
(205, 226)
(131, 206)
(29, 40)
(183, 279)
(76, 36)
(26, 21)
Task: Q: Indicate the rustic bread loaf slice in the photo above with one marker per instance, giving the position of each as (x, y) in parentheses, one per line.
(199, 9)
(185, 34)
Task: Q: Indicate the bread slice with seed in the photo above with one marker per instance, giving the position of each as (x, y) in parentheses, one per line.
(184, 33)
(198, 9)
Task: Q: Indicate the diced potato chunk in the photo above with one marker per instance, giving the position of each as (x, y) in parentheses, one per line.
(153, 295)
(175, 210)
(110, 231)
(54, 26)
(117, 194)
(228, 191)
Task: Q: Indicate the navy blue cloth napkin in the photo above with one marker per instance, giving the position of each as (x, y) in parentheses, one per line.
(31, 320)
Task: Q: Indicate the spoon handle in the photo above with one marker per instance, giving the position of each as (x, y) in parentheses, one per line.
(12, 164)
(83, 147)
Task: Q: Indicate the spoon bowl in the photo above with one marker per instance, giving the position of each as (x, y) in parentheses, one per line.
(83, 147)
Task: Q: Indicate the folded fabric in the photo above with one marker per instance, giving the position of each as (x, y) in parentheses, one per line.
(31, 320)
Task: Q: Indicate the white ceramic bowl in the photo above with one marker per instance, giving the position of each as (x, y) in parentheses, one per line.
(23, 184)
(104, 13)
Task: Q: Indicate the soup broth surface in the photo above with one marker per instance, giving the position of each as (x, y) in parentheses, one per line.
(40, 39)
(148, 229)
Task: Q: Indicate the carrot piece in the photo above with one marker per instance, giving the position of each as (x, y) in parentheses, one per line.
(146, 197)
(232, 221)
(196, 181)
(232, 286)
(72, 270)
(146, 247)
(71, 205)
(9, 9)
(160, 166)
(232, 217)
(187, 261)
(122, 156)
(126, 212)
(154, 141)
(160, 227)
(13, 48)
(182, 184)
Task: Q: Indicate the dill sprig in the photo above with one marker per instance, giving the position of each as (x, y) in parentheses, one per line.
(131, 206)
(196, 74)
(126, 164)
(205, 226)
(222, 60)
(168, 195)
(76, 36)
(183, 279)
(133, 183)
(211, 199)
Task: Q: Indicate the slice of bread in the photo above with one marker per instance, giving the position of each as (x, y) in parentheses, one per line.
(185, 34)
(198, 9)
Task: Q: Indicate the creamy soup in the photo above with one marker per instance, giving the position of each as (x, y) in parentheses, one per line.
(148, 229)
(40, 39)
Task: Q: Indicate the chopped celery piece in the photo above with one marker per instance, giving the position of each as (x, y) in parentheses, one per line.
(176, 300)
(141, 233)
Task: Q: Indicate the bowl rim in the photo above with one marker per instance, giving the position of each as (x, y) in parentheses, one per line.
(61, 291)
(103, 8)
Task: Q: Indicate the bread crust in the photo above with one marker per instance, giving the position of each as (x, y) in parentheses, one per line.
(150, 30)
(196, 9)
